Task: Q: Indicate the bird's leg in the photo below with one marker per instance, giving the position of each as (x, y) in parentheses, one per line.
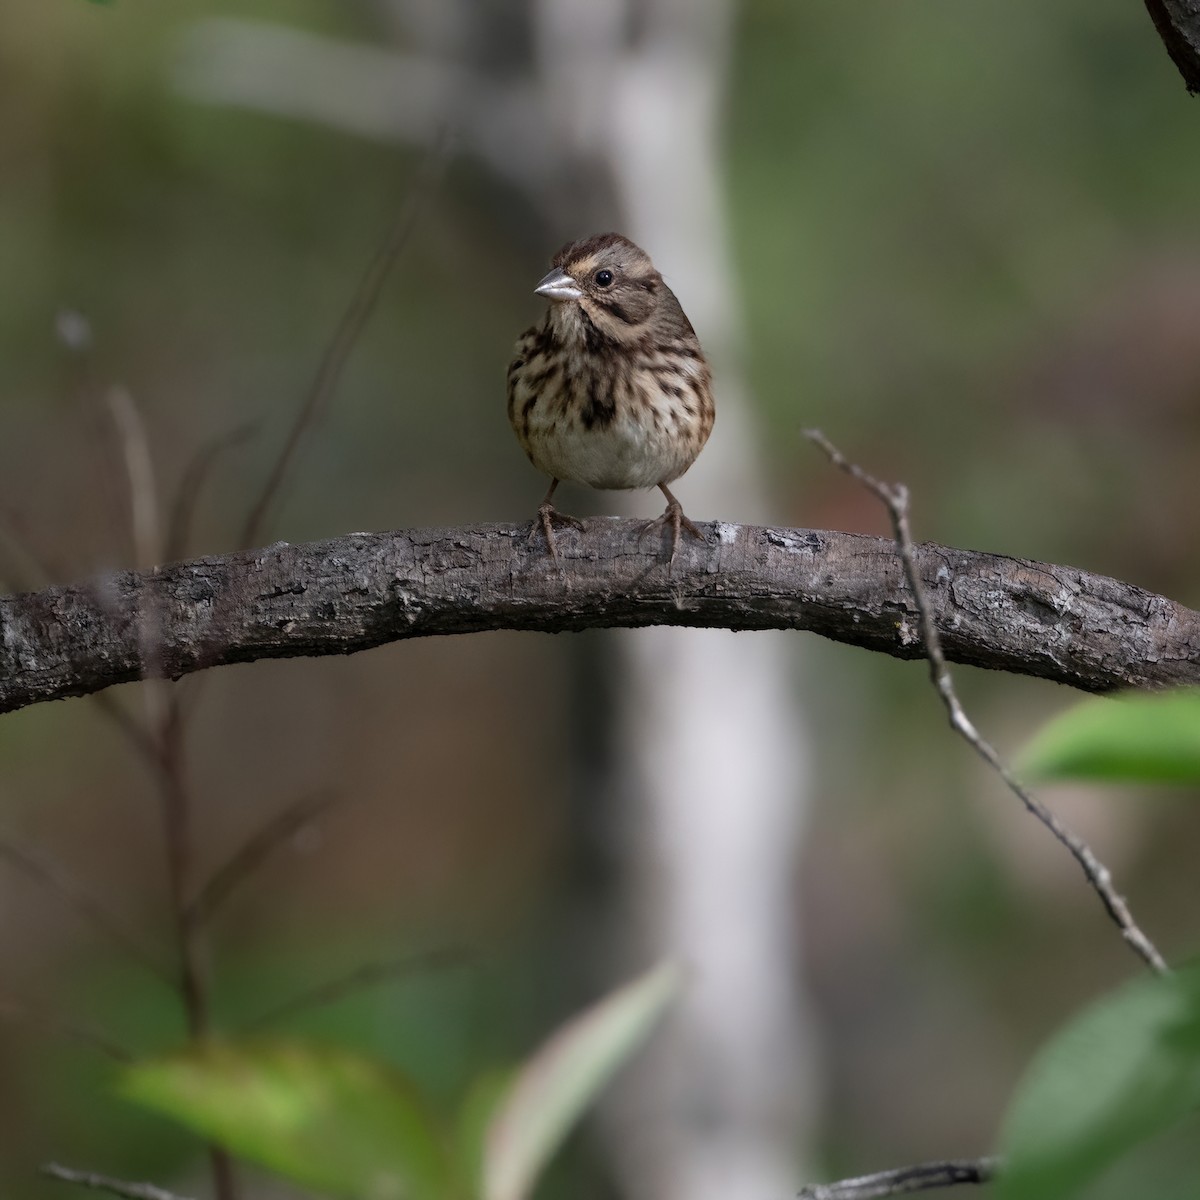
(675, 517)
(549, 514)
(675, 514)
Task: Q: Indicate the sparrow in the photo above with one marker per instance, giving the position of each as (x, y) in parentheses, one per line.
(611, 388)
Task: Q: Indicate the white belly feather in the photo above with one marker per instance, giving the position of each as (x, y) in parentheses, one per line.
(645, 444)
(624, 454)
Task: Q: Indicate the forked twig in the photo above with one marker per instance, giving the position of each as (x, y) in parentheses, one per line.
(895, 499)
(353, 321)
(165, 717)
(362, 978)
(103, 1183)
(255, 850)
(905, 1180)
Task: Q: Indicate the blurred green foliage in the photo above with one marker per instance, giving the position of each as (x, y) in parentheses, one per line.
(346, 1125)
(1131, 738)
(1122, 1071)
(1128, 1066)
(332, 1121)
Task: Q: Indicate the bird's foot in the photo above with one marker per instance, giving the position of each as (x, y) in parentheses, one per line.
(674, 516)
(548, 515)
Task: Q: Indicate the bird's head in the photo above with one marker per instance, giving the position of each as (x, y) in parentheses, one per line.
(605, 281)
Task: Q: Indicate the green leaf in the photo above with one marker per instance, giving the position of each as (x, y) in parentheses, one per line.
(1124, 1070)
(475, 1113)
(328, 1120)
(1138, 737)
(555, 1087)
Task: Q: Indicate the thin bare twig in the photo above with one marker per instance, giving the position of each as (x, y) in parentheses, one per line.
(75, 332)
(143, 502)
(162, 706)
(103, 1183)
(353, 321)
(176, 804)
(177, 827)
(164, 715)
(87, 906)
(362, 978)
(337, 351)
(905, 1180)
(42, 1016)
(147, 544)
(256, 849)
(895, 499)
(195, 476)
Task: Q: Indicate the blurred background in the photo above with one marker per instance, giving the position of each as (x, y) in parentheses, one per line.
(962, 239)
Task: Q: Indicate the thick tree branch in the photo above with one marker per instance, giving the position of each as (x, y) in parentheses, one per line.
(1178, 24)
(362, 590)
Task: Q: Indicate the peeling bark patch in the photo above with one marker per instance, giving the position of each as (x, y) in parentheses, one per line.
(1037, 608)
(795, 540)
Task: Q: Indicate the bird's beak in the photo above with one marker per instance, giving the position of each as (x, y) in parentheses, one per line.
(558, 285)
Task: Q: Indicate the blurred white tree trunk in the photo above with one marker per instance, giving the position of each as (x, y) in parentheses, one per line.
(711, 759)
(712, 745)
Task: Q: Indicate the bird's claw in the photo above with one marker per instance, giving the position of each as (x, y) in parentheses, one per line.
(547, 516)
(674, 516)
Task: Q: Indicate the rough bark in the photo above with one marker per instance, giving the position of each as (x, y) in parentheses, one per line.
(1178, 24)
(361, 590)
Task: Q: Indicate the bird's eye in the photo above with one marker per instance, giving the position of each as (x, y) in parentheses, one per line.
(603, 278)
